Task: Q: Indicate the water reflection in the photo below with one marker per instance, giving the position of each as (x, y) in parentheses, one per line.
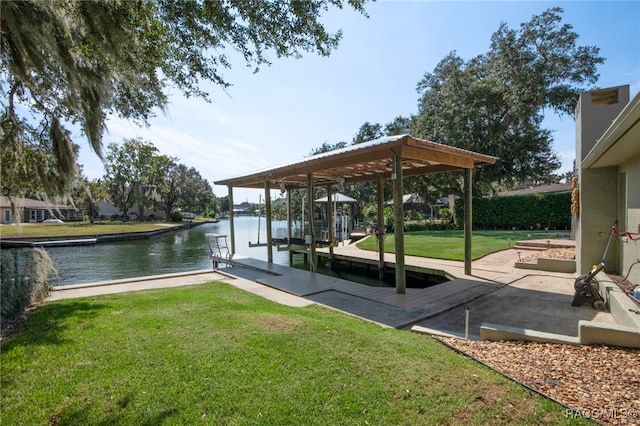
(179, 251)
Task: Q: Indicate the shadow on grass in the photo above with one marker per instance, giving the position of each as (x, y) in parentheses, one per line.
(46, 325)
(116, 414)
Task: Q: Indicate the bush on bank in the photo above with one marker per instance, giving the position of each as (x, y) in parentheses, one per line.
(25, 275)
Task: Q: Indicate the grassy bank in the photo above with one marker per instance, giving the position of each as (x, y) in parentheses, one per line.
(79, 229)
(213, 354)
(449, 245)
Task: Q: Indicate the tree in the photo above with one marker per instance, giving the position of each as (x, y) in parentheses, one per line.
(327, 147)
(82, 61)
(495, 103)
(32, 161)
(398, 126)
(129, 174)
(88, 194)
(196, 192)
(367, 132)
(169, 187)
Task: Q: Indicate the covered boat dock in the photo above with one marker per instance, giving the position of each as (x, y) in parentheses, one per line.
(391, 157)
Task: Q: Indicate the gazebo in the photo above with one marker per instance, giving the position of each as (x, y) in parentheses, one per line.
(391, 157)
(337, 199)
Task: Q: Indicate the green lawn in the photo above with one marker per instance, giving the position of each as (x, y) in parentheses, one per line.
(449, 245)
(79, 229)
(213, 354)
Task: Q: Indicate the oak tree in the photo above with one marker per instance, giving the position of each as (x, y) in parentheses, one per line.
(495, 103)
(79, 62)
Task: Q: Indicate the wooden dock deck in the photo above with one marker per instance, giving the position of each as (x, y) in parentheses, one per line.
(380, 304)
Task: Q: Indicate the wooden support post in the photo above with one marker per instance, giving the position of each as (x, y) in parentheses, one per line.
(289, 218)
(381, 228)
(468, 222)
(232, 232)
(330, 225)
(267, 207)
(398, 225)
(311, 205)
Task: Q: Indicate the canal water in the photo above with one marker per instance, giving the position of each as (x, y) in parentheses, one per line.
(179, 251)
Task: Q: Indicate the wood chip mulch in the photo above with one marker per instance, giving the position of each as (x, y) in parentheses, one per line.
(597, 382)
(554, 253)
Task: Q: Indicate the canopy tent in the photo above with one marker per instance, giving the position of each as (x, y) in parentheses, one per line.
(391, 157)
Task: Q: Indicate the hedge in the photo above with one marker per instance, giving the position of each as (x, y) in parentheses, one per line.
(537, 211)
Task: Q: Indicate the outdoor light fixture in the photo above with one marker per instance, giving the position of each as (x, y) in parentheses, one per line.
(282, 187)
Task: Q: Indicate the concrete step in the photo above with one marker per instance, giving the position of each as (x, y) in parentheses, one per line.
(529, 248)
(544, 244)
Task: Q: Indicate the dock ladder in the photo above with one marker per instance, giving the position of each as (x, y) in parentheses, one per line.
(219, 250)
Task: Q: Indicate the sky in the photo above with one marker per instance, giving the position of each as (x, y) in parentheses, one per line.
(284, 111)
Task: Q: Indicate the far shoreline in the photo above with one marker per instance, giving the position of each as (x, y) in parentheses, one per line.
(28, 241)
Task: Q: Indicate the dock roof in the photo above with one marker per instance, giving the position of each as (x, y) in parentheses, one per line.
(365, 162)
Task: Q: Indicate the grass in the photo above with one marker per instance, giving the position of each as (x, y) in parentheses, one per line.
(213, 354)
(79, 229)
(449, 245)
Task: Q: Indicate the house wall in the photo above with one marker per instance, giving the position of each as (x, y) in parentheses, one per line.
(600, 195)
(6, 215)
(593, 117)
(630, 249)
(598, 212)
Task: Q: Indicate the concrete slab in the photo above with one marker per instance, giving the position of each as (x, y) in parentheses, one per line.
(175, 280)
(541, 303)
(133, 284)
(379, 304)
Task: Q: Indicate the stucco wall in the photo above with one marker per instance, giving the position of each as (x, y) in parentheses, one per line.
(593, 119)
(630, 249)
(598, 212)
(603, 191)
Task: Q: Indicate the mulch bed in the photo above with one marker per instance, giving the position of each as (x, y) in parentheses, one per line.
(597, 382)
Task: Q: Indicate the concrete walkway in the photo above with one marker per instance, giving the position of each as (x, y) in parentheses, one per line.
(496, 292)
(174, 280)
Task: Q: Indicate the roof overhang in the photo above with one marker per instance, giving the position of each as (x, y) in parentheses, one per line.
(365, 162)
(620, 141)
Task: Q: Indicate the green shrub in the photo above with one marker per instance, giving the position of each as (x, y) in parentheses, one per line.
(537, 211)
(412, 215)
(25, 276)
(426, 225)
(175, 217)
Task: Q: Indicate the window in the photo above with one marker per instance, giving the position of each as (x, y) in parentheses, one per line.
(604, 97)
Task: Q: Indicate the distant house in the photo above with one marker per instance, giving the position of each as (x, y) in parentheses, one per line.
(242, 208)
(33, 211)
(607, 193)
(106, 210)
(417, 203)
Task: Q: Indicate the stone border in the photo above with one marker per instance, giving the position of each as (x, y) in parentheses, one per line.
(551, 265)
(589, 333)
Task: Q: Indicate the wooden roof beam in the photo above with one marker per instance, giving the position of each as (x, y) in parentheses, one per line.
(432, 156)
